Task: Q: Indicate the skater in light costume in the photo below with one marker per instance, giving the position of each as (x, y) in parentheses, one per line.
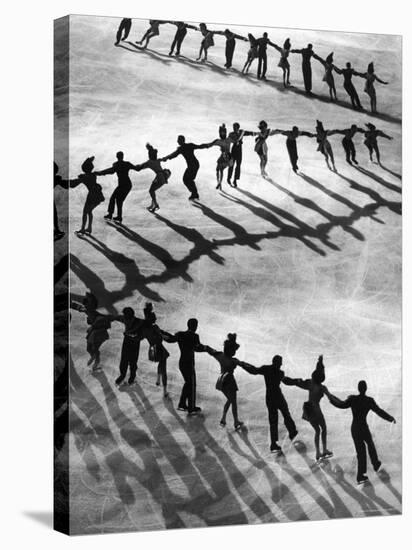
(123, 30)
(121, 168)
(261, 147)
(159, 354)
(371, 140)
(224, 161)
(207, 41)
(187, 152)
(181, 32)
(162, 175)
(324, 145)
(151, 32)
(348, 73)
(275, 400)
(312, 412)
(94, 195)
(291, 137)
(284, 62)
(362, 438)
(226, 382)
(328, 76)
(252, 53)
(370, 77)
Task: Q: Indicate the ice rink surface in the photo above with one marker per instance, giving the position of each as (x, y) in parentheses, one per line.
(296, 265)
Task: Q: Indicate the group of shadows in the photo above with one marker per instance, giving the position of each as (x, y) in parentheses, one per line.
(286, 225)
(233, 73)
(218, 491)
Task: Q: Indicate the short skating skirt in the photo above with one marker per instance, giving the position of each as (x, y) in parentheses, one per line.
(224, 161)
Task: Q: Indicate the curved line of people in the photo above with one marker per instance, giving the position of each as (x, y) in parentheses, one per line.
(258, 50)
(137, 329)
(230, 158)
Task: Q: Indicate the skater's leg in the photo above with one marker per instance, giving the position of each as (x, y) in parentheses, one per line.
(373, 455)
(238, 165)
(172, 47)
(162, 370)
(377, 152)
(324, 434)
(123, 364)
(133, 357)
(360, 455)
(316, 427)
(287, 418)
(127, 27)
(224, 413)
(273, 422)
(112, 202)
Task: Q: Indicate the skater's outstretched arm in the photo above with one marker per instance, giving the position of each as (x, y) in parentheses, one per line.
(379, 133)
(278, 48)
(193, 27)
(171, 156)
(336, 402)
(298, 382)
(251, 369)
(318, 58)
(306, 134)
(274, 132)
(339, 71)
(203, 146)
(76, 182)
(380, 412)
(106, 171)
(239, 37)
(381, 81)
(77, 306)
(142, 166)
(296, 51)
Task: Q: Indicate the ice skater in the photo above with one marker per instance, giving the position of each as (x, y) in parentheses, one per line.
(348, 73)
(324, 145)
(162, 175)
(226, 382)
(312, 412)
(328, 76)
(236, 137)
(121, 168)
(275, 401)
(284, 62)
(97, 332)
(58, 181)
(371, 141)
(262, 44)
(123, 30)
(230, 45)
(206, 43)
(261, 147)
(189, 344)
(225, 160)
(370, 77)
(362, 438)
(94, 196)
(133, 334)
(151, 32)
(158, 353)
(307, 54)
(252, 53)
(291, 145)
(347, 142)
(187, 152)
(181, 32)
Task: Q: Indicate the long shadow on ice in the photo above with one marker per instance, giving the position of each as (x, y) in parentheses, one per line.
(380, 180)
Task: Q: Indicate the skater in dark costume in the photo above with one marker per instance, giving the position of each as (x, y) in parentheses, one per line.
(307, 54)
(312, 412)
(157, 353)
(121, 168)
(97, 332)
(370, 77)
(224, 161)
(361, 405)
(371, 141)
(291, 146)
(252, 53)
(123, 31)
(324, 145)
(328, 76)
(347, 142)
(261, 147)
(262, 44)
(133, 334)
(151, 32)
(58, 181)
(207, 41)
(236, 137)
(162, 175)
(94, 195)
(284, 62)
(187, 152)
(189, 344)
(226, 382)
(181, 32)
(275, 401)
(230, 45)
(348, 73)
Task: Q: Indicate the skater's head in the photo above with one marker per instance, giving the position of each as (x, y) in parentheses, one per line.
(286, 44)
(262, 125)
(192, 325)
(370, 126)
(348, 65)
(310, 46)
(295, 130)
(152, 151)
(181, 140)
(203, 28)
(228, 33)
(120, 155)
(128, 313)
(222, 131)
(236, 126)
(277, 361)
(265, 35)
(329, 59)
(362, 387)
(319, 126)
(230, 346)
(353, 128)
(88, 165)
(371, 68)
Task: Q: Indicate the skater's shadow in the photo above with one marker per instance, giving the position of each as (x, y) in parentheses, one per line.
(386, 479)
(151, 53)
(187, 61)
(395, 174)
(370, 492)
(380, 180)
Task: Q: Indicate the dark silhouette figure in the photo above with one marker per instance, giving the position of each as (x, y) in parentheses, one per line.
(370, 77)
(187, 152)
(236, 137)
(181, 32)
(312, 412)
(371, 140)
(226, 382)
(224, 160)
(262, 44)
(162, 175)
(261, 147)
(275, 401)
(348, 73)
(133, 334)
(157, 353)
(151, 32)
(123, 30)
(284, 62)
(324, 145)
(94, 195)
(207, 41)
(58, 181)
(189, 343)
(328, 76)
(307, 53)
(347, 142)
(230, 45)
(252, 53)
(291, 145)
(361, 405)
(121, 168)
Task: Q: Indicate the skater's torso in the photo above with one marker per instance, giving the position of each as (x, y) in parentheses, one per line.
(236, 139)
(273, 378)
(306, 56)
(347, 75)
(133, 329)
(188, 343)
(187, 152)
(227, 364)
(122, 169)
(262, 44)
